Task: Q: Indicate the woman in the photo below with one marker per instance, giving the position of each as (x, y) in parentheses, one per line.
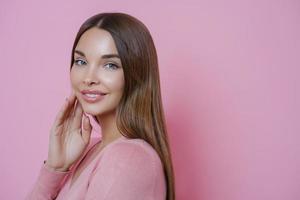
(115, 78)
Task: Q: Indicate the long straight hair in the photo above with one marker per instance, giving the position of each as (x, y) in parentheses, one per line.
(140, 111)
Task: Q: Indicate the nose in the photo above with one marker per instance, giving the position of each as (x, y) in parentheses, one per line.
(90, 77)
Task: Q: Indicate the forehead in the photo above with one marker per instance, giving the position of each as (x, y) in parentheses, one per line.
(96, 42)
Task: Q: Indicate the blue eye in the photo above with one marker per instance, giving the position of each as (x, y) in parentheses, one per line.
(79, 62)
(111, 66)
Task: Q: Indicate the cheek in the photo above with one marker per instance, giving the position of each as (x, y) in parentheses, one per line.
(116, 82)
(74, 77)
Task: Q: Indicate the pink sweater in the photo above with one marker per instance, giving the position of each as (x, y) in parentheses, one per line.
(126, 169)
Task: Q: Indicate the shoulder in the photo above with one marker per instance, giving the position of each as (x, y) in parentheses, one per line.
(128, 147)
(135, 153)
(127, 169)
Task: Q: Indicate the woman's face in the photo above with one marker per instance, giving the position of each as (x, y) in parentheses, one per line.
(97, 76)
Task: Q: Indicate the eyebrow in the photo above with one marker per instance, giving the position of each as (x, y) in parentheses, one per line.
(103, 56)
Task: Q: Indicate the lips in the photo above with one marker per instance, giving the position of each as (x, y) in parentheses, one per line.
(92, 96)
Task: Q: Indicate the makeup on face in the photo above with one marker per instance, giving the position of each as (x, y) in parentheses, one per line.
(97, 76)
(92, 96)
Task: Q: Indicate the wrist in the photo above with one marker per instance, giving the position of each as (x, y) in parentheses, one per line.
(61, 169)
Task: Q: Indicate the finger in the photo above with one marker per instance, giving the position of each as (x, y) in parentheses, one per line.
(87, 129)
(60, 115)
(72, 104)
(64, 111)
(76, 124)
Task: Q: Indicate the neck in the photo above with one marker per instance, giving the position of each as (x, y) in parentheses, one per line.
(109, 128)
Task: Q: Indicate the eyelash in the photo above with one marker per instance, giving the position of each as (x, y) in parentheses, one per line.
(78, 60)
(115, 66)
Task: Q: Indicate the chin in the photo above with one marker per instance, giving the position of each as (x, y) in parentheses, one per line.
(96, 110)
(92, 110)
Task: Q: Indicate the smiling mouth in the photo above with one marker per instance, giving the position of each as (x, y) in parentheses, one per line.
(92, 98)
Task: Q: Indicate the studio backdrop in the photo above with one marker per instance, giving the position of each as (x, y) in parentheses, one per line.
(229, 73)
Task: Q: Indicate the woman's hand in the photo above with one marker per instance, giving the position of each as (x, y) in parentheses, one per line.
(67, 140)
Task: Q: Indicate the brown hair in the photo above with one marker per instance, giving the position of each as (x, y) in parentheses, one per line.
(140, 112)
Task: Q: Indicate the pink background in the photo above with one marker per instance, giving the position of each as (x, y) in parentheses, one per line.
(230, 84)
